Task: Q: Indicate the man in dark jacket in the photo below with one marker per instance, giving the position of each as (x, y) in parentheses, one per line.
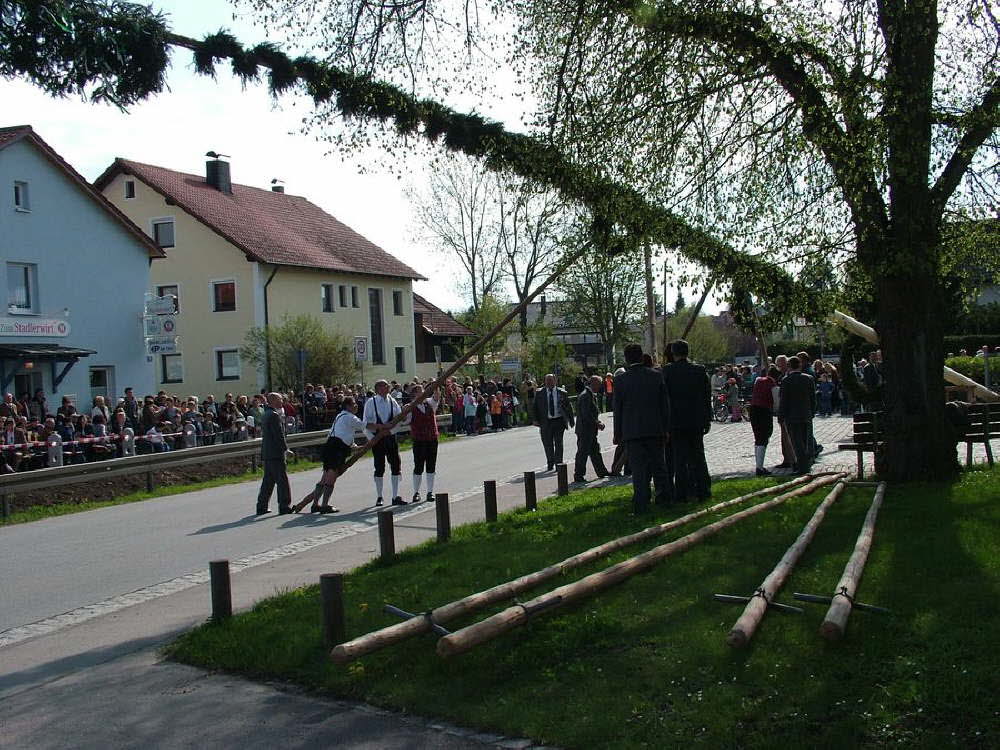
(642, 412)
(690, 393)
(552, 414)
(587, 424)
(272, 453)
(796, 407)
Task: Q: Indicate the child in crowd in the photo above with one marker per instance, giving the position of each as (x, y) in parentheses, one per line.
(825, 389)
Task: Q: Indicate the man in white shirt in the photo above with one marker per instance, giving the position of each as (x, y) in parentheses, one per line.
(552, 414)
(381, 409)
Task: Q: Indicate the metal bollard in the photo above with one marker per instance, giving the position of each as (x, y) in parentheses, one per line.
(386, 536)
(128, 442)
(530, 494)
(490, 494)
(5, 506)
(331, 591)
(443, 512)
(150, 484)
(562, 472)
(222, 594)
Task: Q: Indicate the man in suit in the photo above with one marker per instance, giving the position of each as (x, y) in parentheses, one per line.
(552, 414)
(690, 392)
(796, 407)
(273, 449)
(642, 412)
(587, 424)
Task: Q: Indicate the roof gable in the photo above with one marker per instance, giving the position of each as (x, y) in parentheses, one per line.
(267, 226)
(9, 136)
(436, 321)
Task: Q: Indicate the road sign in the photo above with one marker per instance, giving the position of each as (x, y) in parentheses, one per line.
(166, 305)
(510, 364)
(301, 355)
(160, 325)
(161, 345)
(361, 348)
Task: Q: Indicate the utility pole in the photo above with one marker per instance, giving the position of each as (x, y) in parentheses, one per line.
(647, 254)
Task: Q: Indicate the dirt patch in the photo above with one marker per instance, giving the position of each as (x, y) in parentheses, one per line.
(96, 489)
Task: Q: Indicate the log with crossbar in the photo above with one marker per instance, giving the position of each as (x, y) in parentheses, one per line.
(754, 612)
(835, 621)
(502, 622)
(378, 639)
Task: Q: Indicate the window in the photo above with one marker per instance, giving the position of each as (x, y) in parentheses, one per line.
(397, 302)
(342, 293)
(129, 189)
(21, 199)
(327, 297)
(172, 368)
(163, 232)
(227, 364)
(171, 290)
(354, 297)
(22, 288)
(400, 359)
(375, 314)
(224, 296)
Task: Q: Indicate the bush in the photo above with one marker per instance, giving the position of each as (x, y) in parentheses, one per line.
(975, 368)
(970, 342)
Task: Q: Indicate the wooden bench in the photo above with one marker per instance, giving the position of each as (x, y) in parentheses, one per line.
(982, 426)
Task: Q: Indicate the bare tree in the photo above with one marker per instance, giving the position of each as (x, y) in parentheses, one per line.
(457, 210)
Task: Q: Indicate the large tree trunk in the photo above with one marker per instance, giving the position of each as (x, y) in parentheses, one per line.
(918, 444)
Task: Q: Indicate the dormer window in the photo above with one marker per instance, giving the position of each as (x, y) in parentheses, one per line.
(129, 189)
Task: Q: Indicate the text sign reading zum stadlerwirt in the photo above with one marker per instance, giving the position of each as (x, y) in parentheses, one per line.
(33, 327)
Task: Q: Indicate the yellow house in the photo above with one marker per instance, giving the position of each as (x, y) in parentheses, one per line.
(239, 257)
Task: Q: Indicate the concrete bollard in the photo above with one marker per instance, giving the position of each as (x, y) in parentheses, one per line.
(562, 472)
(222, 594)
(189, 437)
(331, 591)
(54, 447)
(443, 512)
(490, 495)
(530, 493)
(386, 536)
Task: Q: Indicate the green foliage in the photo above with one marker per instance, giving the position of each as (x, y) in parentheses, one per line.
(976, 319)
(542, 353)
(707, 342)
(491, 312)
(975, 368)
(645, 663)
(971, 342)
(329, 358)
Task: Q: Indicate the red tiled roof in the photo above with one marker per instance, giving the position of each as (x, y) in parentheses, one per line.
(268, 227)
(14, 134)
(436, 321)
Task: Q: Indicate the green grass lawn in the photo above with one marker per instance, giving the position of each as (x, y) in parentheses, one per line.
(645, 664)
(38, 512)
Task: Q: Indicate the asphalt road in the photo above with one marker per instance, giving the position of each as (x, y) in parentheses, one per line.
(61, 564)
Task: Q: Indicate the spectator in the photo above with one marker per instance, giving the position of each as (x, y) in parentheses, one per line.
(67, 409)
(100, 408)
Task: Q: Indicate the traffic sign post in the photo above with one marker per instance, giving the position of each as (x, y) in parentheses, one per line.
(361, 354)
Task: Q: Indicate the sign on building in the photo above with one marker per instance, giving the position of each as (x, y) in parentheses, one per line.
(160, 325)
(361, 348)
(166, 305)
(510, 364)
(33, 327)
(161, 345)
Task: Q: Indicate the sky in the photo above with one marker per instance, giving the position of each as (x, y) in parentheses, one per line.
(263, 138)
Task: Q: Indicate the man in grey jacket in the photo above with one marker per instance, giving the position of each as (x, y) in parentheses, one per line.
(587, 424)
(273, 449)
(796, 407)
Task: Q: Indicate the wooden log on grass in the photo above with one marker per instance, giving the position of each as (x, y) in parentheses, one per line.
(835, 621)
(500, 623)
(746, 626)
(397, 632)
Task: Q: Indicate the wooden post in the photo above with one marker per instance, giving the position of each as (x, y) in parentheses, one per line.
(5, 506)
(253, 462)
(331, 591)
(490, 495)
(386, 536)
(491, 627)
(374, 641)
(530, 494)
(562, 474)
(746, 626)
(150, 484)
(835, 621)
(222, 594)
(443, 512)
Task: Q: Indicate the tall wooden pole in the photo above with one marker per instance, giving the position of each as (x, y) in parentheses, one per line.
(647, 256)
(697, 308)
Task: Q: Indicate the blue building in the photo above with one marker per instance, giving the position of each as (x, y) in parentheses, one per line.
(74, 270)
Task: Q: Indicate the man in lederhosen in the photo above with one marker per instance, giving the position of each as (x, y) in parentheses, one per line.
(381, 409)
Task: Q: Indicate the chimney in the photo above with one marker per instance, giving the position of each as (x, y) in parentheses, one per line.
(542, 306)
(275, 187)
(217, 173)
